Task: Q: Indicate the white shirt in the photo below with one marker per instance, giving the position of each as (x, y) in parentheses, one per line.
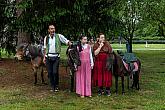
(91, 57)
(52, 44)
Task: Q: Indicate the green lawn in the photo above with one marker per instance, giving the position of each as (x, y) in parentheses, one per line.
(140, 46)
(150, 97)
(114, 46)
(123, 47)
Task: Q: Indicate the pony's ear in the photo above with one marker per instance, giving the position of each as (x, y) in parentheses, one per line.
(72, 46)
(67, 50)
(21, 46)
(25, 45)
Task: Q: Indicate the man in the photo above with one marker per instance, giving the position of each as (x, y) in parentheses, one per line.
(52, 49)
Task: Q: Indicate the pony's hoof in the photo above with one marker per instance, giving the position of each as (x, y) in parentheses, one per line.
(44, 83)
(138, 89)
(123, 93)
(35, 84)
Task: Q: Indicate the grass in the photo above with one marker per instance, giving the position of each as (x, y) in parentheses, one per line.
(139, 46)
(150, 97)
(5, 54)
(123, 46)
(114, 46)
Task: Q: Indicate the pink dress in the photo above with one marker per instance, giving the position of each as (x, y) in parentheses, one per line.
(83, 75)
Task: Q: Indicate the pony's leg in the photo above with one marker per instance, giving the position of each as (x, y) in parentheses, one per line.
(116, 84)
(133, 83)
(138, 80)
(128, 81)
(42, 75)
(72, 81)
(35, 75)
(122, 81)
(137, 83)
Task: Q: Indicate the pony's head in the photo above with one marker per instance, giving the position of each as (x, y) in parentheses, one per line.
(22, 51)
(110, 61)
(73, 57)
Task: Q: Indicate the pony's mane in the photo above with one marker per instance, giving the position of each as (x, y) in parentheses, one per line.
(21, 46)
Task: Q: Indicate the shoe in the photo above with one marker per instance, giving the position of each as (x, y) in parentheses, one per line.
(108, 92)
(100, 92)
(52, 90)
(82, 96)
(56, 89)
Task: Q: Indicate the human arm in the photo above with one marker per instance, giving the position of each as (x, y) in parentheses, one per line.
(64, 40)
(96, 52)
(44, 51)
(91, 59)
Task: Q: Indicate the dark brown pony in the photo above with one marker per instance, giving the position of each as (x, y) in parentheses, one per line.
(115, 63)
(35, 54)
(73, 62)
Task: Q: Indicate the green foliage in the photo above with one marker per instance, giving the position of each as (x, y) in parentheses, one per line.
(155, 14)
(82, 16)
(7, 30)
(24, 4)
(125, 18)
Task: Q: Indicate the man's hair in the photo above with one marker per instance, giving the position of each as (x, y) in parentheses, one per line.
(51, 24)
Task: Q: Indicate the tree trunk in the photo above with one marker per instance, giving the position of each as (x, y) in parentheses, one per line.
(22, 37)
(130, 43)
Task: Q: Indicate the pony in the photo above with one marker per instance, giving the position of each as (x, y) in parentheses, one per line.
(34, 53)
(115, 63)
(73, 62)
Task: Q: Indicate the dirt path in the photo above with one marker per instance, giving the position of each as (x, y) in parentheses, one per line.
(20, 75)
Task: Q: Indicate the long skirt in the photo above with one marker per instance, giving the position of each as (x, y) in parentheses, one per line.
(83, 79)
(101, 76)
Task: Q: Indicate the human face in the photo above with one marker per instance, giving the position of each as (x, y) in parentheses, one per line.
(91, 41)
(102, 38)
(97, 39)
(84, 40)
(51, 30)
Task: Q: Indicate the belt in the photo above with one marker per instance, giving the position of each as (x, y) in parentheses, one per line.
(53, 54)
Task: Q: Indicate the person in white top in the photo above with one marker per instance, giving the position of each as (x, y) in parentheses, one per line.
(83, 74)
(52, 48)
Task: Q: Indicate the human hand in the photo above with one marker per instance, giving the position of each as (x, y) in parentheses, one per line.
(101, 44)
(70, 43)
(92, 66)
(44, 60)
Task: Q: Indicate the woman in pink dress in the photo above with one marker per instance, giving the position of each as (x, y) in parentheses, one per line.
(83, 74)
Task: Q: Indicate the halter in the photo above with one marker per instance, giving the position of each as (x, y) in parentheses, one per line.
(71, 60)
(26, 50)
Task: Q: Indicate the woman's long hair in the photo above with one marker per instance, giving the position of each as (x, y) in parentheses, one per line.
(79, 42)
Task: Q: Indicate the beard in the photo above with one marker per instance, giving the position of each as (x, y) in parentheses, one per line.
(52, 34)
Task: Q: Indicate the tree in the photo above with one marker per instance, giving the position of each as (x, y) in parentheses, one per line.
(7, 34)
(72, 17)
(128, 12)
(155, 14)
(23, 34)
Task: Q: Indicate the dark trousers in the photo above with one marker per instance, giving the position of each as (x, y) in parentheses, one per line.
(53, 71)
